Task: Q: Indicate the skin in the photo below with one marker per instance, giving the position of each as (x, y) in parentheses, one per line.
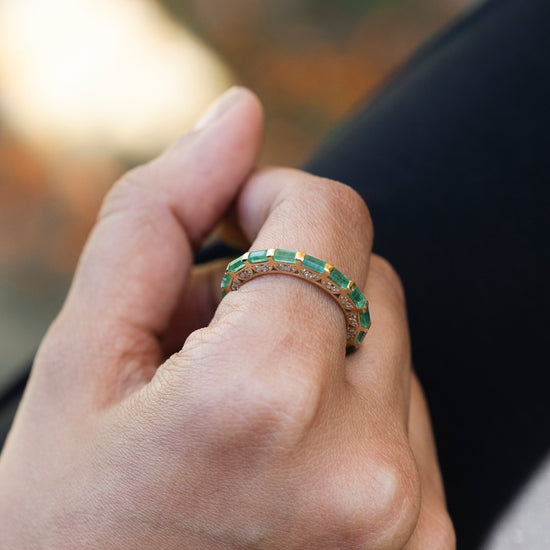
(156, 417)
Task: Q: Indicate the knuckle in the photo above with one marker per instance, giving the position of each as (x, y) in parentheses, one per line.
(341, 198)
(397, 501)
(381, 511)
(134, 196)
(246, 403)
(128, 191)
(441, 534)
(263, 413)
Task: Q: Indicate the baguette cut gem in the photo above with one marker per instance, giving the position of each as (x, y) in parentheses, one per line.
(286, 256)
(365, 319)
(258, 256)
(225, 281)
(236, 265)
(358, 298)
(315, 264)
(339, 278)
(360, 338)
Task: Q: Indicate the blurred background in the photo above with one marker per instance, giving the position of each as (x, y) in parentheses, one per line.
(89, 88)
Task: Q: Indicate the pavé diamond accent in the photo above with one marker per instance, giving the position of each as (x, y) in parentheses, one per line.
(351, 333)
(308, 274)
(244, 274)
(288, 268)
(235, 285)
(331, 287)
(346, 302)
(261, 268)
(353, 320)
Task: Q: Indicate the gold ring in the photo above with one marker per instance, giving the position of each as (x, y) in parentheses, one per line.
(322, 274)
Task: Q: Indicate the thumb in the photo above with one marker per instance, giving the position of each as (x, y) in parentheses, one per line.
(139, 255)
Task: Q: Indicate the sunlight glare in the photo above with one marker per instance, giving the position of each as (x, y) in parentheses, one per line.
(111, 75)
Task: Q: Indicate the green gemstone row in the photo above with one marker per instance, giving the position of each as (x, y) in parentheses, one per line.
(310, 262)
(281, 255)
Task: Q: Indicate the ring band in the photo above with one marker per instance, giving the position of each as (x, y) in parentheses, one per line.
(289, 262)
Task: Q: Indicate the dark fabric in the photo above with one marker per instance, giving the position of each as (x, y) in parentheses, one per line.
(9, 401)
(452, 158)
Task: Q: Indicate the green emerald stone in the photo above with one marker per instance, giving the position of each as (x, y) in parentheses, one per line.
(365, 319)
(313, 263)
(225, 281)
(341, 280)
(360, 337)
(236, 265)
(358, 298)
(285, 256)
(257, 256)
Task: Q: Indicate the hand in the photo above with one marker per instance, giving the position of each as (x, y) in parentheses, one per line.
(259, 432)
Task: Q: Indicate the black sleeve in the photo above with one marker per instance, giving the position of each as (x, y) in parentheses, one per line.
(452, 158)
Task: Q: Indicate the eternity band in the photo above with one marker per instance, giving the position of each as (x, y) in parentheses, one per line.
(322, 274)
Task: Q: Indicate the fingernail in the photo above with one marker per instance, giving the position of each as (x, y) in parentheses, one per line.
(220, 105)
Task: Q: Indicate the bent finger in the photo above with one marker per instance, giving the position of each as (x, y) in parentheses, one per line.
(434, 529)
(135, 264)
(380, 369)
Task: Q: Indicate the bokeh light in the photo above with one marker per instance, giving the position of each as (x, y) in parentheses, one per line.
(106, 75)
